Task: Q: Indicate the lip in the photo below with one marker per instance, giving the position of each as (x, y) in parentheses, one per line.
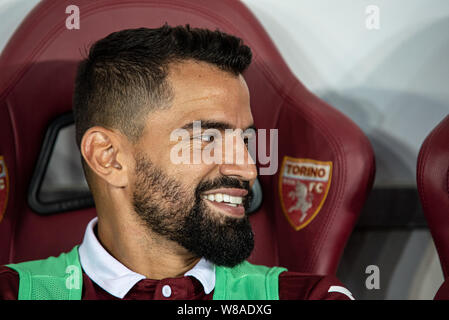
(238, 211)
(235, 192)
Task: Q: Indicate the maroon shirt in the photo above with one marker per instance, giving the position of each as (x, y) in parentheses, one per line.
(292, 286)
(443, 292)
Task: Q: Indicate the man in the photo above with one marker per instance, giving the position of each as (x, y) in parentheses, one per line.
(165, 230)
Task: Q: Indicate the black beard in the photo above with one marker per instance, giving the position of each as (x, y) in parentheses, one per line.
(171, 211)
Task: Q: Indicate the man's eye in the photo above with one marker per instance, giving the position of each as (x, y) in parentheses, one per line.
(207, 138)
(247, 139)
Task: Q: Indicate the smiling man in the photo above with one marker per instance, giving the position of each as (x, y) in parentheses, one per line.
(165, 230)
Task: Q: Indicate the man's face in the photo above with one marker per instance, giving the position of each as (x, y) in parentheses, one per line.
(201, 206)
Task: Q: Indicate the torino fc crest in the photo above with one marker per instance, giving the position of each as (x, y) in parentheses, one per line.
(303, 187)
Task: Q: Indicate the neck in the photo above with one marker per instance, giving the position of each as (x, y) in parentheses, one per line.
(129, 241)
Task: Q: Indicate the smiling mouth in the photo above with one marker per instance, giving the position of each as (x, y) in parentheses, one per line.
(230, 204)
(232, 201)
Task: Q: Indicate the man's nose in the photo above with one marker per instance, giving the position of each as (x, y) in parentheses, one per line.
(239, 163)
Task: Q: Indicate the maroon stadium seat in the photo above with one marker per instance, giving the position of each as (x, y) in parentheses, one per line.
(433, 186)
(319, 147)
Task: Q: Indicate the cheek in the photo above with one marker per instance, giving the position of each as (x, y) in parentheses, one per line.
(169, 158)
(191, 175)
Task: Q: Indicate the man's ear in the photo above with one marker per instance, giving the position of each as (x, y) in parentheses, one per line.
(103, 151)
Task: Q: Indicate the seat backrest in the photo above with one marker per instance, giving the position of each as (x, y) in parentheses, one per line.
(325, 163)
(433, 186)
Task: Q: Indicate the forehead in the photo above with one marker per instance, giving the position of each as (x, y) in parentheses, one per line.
(203, 91)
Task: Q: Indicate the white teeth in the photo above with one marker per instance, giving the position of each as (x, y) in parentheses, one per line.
(231, 204)
(219, 197)
(236, 200)
(223, 197)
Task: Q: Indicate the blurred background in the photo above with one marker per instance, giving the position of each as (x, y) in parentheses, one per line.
(384, 64)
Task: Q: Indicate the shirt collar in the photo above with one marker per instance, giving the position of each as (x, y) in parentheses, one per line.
(115, 278)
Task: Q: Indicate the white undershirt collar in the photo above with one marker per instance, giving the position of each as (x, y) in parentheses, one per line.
(115, 278)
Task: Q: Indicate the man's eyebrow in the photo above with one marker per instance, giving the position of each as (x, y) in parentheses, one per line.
(211, 124)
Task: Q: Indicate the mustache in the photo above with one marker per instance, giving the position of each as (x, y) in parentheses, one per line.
(226, 182)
